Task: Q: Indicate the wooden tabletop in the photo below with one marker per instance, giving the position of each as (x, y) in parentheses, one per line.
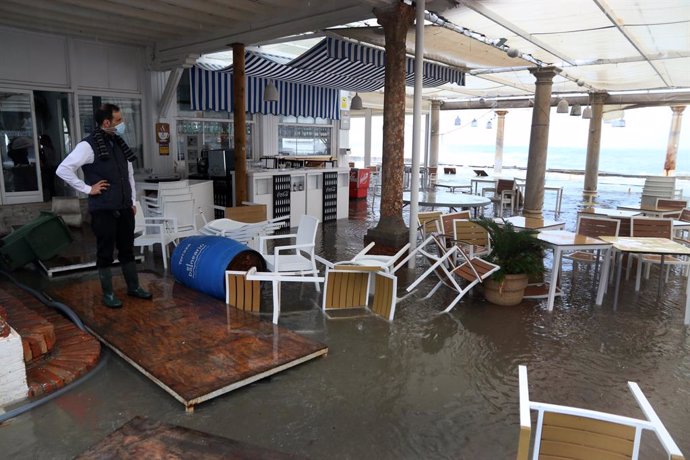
(530, 222)
(566, 238)
(610, 212)
(647, 245)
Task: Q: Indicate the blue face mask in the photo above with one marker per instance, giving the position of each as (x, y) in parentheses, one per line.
(120, 129)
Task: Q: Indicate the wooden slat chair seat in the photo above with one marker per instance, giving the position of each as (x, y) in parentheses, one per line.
(243, 288)
(665, 203)
(471, 237)
(447, 220)
(593, 227)
(429, 222)
(470, 272)
(347, 286)
(653, 228)
(242, 293)
(564, 432)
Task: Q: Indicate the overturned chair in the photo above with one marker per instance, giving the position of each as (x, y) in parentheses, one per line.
(347, 287)
(564, 432)
(452, 267)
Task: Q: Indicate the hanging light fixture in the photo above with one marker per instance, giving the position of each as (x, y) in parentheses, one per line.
(562, 106)
(356, 103)
(271, 92)
(587, 113)
(474, 123)
(458, 122)
(489, 125)
(576, 110)
(618, 123)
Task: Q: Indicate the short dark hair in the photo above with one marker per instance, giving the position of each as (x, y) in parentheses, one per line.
(104, 112)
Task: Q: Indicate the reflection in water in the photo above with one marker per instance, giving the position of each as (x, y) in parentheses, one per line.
(430, 385)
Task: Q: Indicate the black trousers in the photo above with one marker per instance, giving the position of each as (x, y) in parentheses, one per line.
(113, 229)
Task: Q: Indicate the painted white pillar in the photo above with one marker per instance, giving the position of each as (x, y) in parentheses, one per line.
(673, 140)
(500, 129)
(435, 115)
(367, 138)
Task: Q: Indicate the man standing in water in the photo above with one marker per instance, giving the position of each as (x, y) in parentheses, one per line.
(106, 161)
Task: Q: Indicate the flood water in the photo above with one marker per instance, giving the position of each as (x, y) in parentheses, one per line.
(426, 385)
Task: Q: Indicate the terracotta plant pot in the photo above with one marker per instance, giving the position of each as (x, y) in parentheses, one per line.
(508, 292)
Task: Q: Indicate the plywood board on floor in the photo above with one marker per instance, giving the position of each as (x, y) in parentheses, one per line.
(191, 345)
(144, 438)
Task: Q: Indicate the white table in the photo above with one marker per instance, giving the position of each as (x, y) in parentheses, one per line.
(640, 245)
(562, 240)
(532, 223)
(449, 200)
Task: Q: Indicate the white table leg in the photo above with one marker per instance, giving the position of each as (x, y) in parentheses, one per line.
(687, 302)
(604, 275)
(276, 300)
(554, 277)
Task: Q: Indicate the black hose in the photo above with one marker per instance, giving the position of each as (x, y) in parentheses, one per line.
(46, 300)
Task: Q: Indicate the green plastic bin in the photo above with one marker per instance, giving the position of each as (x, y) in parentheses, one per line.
(42, 238)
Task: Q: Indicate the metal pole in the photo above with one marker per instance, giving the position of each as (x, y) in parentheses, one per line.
(416, 124)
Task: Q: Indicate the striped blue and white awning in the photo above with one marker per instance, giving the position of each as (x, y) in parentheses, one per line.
(309, 84)
(212, 90)
(335, 56)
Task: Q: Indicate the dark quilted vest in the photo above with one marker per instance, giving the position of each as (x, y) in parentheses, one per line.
(113, 168)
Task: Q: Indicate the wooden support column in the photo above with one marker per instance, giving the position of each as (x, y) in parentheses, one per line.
(500, 133)
(390, 234)
(673, 139)
(596, 102)
(433, 150)
(538, 142)
(240, 122)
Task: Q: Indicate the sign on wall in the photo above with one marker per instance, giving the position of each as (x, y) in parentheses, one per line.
(163, 138)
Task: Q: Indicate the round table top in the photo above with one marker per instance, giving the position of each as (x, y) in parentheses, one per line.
(447, 199)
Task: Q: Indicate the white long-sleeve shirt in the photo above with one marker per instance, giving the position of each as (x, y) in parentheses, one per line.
(80, 156)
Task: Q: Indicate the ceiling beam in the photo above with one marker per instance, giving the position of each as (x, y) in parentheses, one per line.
(48, 9)
(222, 9)
(68, 25)
(606, 9)
(197, 18)
(156, 20)
(329, 13)
(636, 100)
(482, 10)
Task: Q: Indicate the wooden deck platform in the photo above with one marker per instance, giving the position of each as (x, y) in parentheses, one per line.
(143, 438)
(191, 345)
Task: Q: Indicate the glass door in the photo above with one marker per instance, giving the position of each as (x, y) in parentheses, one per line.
(20, 162)
(55, 139)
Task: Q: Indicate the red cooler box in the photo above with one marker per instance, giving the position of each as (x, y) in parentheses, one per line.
(359, 182)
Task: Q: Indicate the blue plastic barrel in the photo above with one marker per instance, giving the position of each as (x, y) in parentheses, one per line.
(199, 262)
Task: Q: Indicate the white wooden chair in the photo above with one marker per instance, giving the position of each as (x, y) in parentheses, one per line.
(429, 222)
(593, 227)
(302, 260)
(243, 289)
(347, 287)
(564, 432)
(151, 231)
(384, 263)
(471, 237)
(180, 210)
(469, 271)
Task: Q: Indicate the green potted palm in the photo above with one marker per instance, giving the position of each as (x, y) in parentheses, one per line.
(519, 254)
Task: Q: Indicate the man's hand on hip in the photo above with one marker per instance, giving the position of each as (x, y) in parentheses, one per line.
(99, 187)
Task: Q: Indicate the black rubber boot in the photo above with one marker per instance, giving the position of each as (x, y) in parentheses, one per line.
(109, 299)
(129, 270)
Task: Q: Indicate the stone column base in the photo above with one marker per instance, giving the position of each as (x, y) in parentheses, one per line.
(389, 238)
